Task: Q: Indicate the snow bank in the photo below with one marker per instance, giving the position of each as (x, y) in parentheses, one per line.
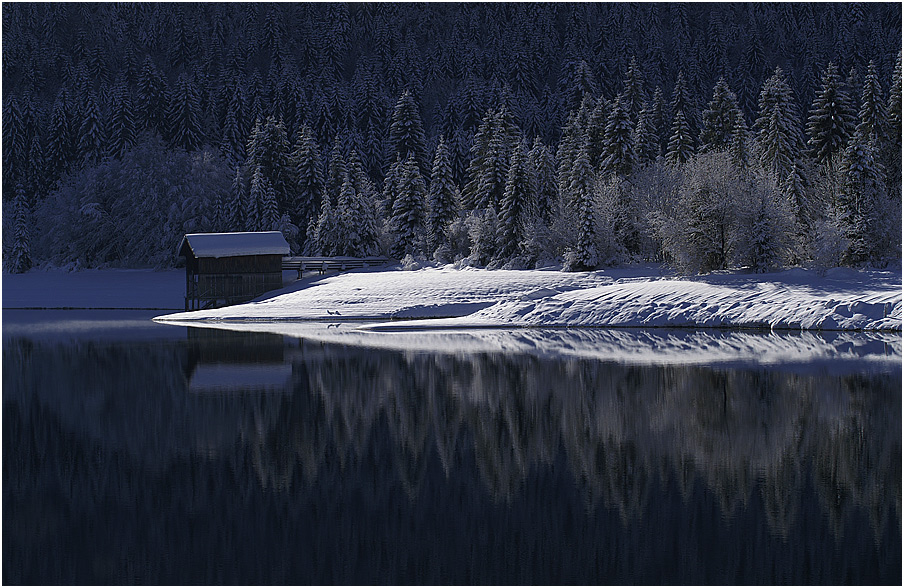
(375, 293)
(447, 298)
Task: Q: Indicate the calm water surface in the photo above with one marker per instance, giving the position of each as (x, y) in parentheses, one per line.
(143, 453)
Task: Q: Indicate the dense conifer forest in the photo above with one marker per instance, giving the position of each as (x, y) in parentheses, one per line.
(704, 136)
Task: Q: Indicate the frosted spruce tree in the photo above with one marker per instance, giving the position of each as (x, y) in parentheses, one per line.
(20, 255)
(490, 156)
(442, 198)
(91, 131)
(357, 222)
(831, 121)
(63, 140)
(232, 141)
(121, 134)
(618, 156)
(891, 152)
(184, 115)
(152, 98)
(269, 151)
(542, 165)
(406, 133)
(681, 143)
(584, 256)
(646, 137)
(408, 211)
(328, 237)
(873, 118)
(860, 204)
(778, 139)
(516, 202)
(720, 119)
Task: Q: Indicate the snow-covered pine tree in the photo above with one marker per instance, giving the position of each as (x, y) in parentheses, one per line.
(121, 134)
(255, 214)
(634, 93)
(406, 133)
(740, 143)
(327, 237)
(442, 198)
(409, 210)
(516, 202)
(269, 213)
(681, 144)
(584, 256)
(152, 98)
(646, 137)
(357, 221)
(184, 115)
(596, 132)
(720, 119)
(488, 169)
(268, 149)
(831, 120)
(20, 255)
(619, 156)
(235, 208)
(541, 163)
(891, 152)
(860, 204)
(683, 102)
(233, 139)
(873, 118)
(779, 143)
(91, 131)
(309, 174)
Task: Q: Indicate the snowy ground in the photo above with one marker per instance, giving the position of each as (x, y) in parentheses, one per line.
(448, 298)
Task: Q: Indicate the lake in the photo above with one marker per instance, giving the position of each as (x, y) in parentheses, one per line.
(135, 452)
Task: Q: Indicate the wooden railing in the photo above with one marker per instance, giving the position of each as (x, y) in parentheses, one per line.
(325, 264)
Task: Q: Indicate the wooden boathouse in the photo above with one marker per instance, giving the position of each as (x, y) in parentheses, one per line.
(230, 268)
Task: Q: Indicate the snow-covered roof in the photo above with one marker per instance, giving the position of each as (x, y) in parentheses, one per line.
(233, 244)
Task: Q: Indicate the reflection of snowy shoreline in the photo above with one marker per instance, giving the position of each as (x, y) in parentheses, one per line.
(832, 352)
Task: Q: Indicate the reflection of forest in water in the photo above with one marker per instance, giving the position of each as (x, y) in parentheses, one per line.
(242, 458)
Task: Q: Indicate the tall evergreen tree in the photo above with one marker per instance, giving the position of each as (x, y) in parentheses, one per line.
(268, 149)
(619, 156)
(409, 209)
(873, 117)
(184, 115)
(122, 130)
(891, 152)
(20, 255)
(309, 174)
(720, 119)
(152, 98)
(646, 137)
(490, 157)
(62, 141)
(234, 137)
(91, 132)
(516, 201)
(406, 132)
(235, 209)
(442, 198)
(681, 147)
(831, 121)
(634, 94)
(779, 143)
(585, 255)
(542, 165)
(358, 222)
(860, 202)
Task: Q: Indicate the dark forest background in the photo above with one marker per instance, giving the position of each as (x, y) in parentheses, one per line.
(505, 135)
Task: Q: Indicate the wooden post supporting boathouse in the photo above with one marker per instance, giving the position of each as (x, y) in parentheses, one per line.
(230, 268)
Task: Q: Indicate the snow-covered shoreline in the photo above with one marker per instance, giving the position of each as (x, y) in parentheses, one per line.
(449, 298)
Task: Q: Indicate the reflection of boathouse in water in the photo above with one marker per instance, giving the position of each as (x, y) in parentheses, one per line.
(230, 361)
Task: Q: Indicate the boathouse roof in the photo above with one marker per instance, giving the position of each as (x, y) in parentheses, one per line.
(233, 244)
